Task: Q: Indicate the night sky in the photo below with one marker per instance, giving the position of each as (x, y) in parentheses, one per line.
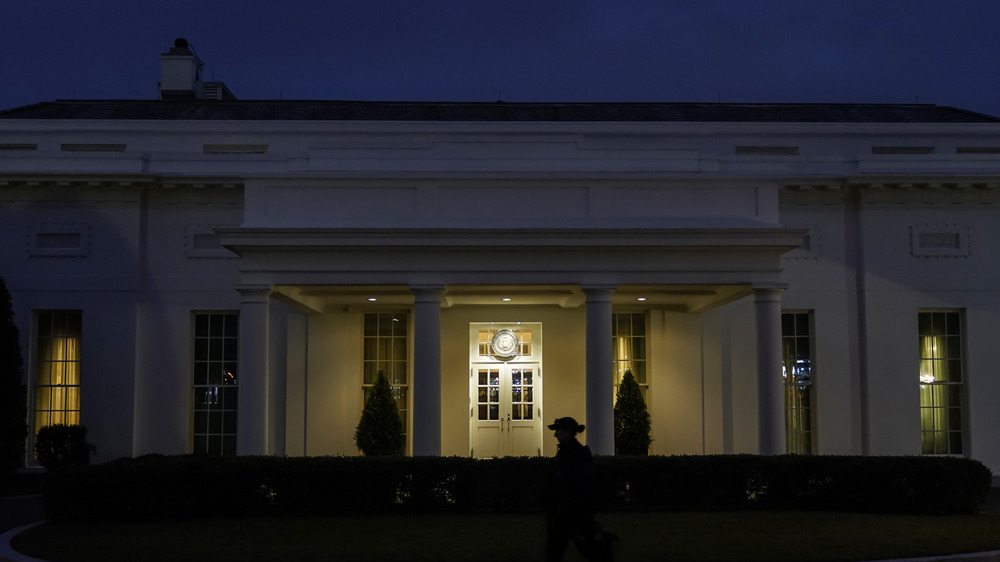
(945, 52)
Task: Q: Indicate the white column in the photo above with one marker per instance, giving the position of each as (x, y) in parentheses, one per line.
(600, 429)
(426, 428)
(252, 416)
(770, 398)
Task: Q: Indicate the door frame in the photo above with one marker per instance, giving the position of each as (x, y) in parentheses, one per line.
(533, 359)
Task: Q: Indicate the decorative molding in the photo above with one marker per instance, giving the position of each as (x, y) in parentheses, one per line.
(810, 248)
(202, 242)
(59, 240)
(939, 240)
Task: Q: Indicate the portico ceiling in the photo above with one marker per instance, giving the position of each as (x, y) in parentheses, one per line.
(680, 298)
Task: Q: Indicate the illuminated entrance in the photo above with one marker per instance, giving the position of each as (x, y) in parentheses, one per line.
(505, 389)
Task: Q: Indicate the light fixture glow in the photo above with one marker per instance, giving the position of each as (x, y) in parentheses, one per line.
(505, 299)
(372, 299)
(641, 299)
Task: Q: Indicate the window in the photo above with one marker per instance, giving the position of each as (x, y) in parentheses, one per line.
(941, 412)
(385, 349)
(524, 342)
(797, 375)
(216, 368)
(57, 368)
(628, 335)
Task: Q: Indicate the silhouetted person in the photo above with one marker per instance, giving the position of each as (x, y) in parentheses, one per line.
(570, 502)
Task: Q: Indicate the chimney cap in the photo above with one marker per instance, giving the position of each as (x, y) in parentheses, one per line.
(183, 48)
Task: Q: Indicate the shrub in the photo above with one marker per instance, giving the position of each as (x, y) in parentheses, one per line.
(380, 431)
(632, 422)
(183, 486)
(59, 446)
(13, 396)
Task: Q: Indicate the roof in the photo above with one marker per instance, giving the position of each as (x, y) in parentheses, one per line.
(302, 110)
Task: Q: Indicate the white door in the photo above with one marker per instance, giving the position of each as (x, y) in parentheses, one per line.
(506, 416)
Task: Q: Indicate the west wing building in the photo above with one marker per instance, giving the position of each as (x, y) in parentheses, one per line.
(203, 274)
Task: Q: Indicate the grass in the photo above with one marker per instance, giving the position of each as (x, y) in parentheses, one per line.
(485, 537)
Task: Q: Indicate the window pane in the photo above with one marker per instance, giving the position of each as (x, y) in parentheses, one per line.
(638, 325)
(371, 325)
(399, 325)
(399, 349)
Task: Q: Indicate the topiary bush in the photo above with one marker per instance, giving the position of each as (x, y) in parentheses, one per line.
(380, 431)
(632, 421)
(59, 446)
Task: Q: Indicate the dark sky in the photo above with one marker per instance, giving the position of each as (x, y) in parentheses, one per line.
(945, 52)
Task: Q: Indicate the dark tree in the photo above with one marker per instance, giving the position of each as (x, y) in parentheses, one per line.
(380, 431)
(13, 394)
(632, 424)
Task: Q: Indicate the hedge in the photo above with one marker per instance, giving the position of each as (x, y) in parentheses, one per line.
(185, 486)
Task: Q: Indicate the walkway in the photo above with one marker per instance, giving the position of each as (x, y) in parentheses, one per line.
(23, 510)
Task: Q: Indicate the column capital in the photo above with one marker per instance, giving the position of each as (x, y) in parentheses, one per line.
(427, 287)
(762, 293)
(254, 292)
(427, 293)
(592, 290)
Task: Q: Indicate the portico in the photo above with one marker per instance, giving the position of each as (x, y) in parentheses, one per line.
(573, 281)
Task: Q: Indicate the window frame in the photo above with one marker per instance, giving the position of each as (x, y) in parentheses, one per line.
(406, 368)
(36, 366)
(230, 363)
(617, 372)
(792, 411)
(960, 388)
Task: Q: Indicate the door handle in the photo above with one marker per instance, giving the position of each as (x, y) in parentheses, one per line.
(508, 422)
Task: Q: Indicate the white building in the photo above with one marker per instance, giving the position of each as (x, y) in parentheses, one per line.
(201, 274)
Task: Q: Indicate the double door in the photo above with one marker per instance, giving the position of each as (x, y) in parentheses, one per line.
(506, 409)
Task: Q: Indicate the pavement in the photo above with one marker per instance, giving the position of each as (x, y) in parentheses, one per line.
(15, 514)
(21, 512)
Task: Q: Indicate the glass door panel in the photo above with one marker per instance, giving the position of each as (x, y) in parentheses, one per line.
(505, 417)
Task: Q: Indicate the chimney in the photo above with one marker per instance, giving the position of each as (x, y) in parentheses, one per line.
(180, 76)
(180, 72)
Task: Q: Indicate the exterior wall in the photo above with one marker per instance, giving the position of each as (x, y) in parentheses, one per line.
(136, 282)
(866, 279)
(503, 203)
(333, 388)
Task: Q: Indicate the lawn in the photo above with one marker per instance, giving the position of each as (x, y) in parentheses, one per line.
(484, 537)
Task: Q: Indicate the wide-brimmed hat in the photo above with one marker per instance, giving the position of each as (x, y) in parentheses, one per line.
(567, 423)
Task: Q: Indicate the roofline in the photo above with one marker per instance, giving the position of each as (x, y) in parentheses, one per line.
(485, 112)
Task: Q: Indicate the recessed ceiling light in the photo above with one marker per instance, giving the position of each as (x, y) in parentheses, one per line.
(372, 299)
(505, 299)
(641, 299)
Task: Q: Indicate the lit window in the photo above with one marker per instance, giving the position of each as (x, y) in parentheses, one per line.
(524, 342)
(941, 393)
(628, 335)
(797, 372)
(216, 368)
(385, 350)
(57, 368)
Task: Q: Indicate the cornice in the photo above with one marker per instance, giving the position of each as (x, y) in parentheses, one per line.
(76, 181)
